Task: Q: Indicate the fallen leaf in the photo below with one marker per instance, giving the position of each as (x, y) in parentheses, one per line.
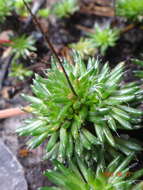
(23, 152)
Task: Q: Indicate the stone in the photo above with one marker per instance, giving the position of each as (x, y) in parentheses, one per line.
(11, 172)
(8, 131)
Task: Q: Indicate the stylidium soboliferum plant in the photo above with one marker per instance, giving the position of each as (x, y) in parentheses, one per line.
(20, 8)
(116, 176)
(65, 8)
(103, 38)
(22, 46)
(20, 72)
(9, 6)
(6, 7)
(131, 10)
(101, 106)
(85, 47)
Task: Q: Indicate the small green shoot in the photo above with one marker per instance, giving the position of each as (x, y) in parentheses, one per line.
(22, 46)
(84, 47)
(103, 38)
(19, 72)
(65, 8)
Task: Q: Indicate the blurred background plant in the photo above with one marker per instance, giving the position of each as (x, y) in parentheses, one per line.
(20, 72)
(65, 8)
(22, 46)
(6, 7)
(130, 9)
(9, 6)
(104, 37)
(20, 8)
(44, 12)
(85, 47)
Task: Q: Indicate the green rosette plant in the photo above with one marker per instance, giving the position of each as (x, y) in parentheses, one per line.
(76, 122)
(104, 37)
(44, 13)
(84, 47)
(9, 6)
(129, 9)
(20, 72)
(22, 46)
(20, 7)
(116, 176)
(6, 7)
(65, 8)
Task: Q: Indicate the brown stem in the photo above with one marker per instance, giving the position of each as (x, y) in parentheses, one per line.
(50, 45)
(10, 112)
(127, 28)
(36, 6)
(88, 30)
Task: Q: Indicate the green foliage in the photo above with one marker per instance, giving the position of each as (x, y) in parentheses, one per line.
(6, 7)
(20, 4)
(138, 73)
(44, 12)
(77, 123)
(65, 8)
(20, 7)
(84, 47)
(116, 176)
(104, 38)
(18, 71)
(130, 9)
(21, 46)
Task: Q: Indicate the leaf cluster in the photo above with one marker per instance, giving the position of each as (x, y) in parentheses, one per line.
(116, 176)
(21, 48)
(20, 7)
(8, 6)
(138, 73)
(130, 9)
(77, 124)
(19, 72)
(103, 38)
(45, 12)
(65, 8)
(84, 47)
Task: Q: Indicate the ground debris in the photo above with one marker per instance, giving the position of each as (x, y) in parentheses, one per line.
(100, 8)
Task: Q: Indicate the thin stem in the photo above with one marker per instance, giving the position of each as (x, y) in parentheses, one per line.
(11, 112)
(50, 45)
(127, 28)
